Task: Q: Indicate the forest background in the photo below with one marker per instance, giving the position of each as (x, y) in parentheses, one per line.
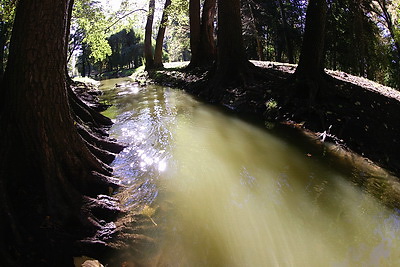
(362, 36)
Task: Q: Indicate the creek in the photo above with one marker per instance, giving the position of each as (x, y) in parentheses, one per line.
(228, 192)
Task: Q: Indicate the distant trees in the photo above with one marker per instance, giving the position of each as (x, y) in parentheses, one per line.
(153, 60)
(127, 50)
(388, 15)
(93, 29)
(177, 38)
(362, 36)
(353, 41)
(273, 29)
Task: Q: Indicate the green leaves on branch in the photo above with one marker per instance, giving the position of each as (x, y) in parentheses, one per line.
(7, 10)
(89, 17)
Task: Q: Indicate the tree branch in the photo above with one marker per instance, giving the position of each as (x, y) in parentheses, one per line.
(124, 16)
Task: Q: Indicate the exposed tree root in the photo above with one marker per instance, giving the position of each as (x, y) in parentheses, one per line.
(86, 113)
(103, 143)
(101, 154)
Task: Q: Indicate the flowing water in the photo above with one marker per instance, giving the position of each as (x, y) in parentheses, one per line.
(226, 192)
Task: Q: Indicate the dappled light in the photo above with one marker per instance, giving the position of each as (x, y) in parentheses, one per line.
(233, 194)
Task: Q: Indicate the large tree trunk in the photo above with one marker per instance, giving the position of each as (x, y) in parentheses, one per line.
(233, 68)
(310, 71)
(311, 62)
(207, 49)
(160, 36)
(45, 165)
(202, 34)
(148, 48)
(194, 21)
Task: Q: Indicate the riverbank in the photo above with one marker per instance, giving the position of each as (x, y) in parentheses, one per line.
(355, 114)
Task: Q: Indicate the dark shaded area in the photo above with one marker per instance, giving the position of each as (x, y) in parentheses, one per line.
(44, 240)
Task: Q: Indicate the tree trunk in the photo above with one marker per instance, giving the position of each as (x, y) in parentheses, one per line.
(310, 71)
(160, 36)
(204, 51)
(207, 49)
(84, 57)
(194, 20)
(45, 165)
(233, 68)
(148, 48)
(311, 62)
(288, 41)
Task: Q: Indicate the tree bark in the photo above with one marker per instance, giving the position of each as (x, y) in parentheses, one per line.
(148, 48)
(311, 62)
(207, 49)
(233, 68)
(160, 36)
(310, 72)
(45, 166)
(194, 21)
(202, 34)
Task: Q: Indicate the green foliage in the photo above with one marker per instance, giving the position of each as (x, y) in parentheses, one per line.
(7, 11)
(263, 20)
(89, 18)
(127, 50)
(271, 104)
(7, 15)
(177, 37)
(357, 40)
(178, 11)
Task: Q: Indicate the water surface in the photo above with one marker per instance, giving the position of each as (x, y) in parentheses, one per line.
(230, 193)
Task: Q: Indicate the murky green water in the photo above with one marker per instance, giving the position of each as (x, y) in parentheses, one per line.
(228, 193)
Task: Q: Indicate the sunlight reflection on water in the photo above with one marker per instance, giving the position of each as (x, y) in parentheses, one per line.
(233, 194)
